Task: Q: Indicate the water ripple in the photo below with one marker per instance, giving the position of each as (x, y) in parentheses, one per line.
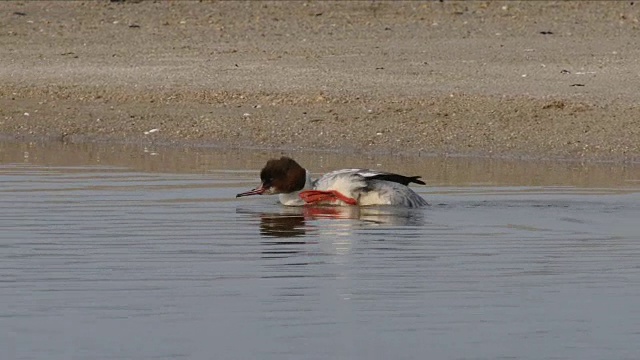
(108, 263)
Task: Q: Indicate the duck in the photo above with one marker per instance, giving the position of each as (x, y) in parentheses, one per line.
(346, 187)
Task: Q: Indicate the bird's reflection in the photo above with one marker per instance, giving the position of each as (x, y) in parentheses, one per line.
(286, 232)
(292, 222)
(285, 224)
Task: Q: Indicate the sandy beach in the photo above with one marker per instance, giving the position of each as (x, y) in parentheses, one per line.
(542, 80)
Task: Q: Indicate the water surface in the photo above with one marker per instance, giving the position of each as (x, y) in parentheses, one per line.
(111, 252)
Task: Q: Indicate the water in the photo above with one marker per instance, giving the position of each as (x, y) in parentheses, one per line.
(111, 252)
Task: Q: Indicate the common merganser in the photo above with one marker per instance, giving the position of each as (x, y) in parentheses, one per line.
(363, 187)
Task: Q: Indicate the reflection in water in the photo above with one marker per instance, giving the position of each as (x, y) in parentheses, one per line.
(294, 221)
(332, 228)
(164, 265)
(289, 231)
(282, 225)
(439, 171)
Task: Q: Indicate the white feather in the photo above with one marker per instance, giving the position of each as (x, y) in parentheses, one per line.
(357, 184)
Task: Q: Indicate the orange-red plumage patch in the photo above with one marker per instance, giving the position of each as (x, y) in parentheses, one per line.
(318, 196)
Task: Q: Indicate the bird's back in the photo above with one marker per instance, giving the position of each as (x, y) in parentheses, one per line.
(382, 192)
(369, 187)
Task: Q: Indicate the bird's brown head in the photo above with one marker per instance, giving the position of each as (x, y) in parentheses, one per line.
(279, 176)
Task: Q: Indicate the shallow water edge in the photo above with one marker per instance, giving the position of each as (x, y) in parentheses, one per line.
(440, 171)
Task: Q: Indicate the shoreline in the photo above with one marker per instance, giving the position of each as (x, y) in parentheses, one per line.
(437, 171)
(548, 130)
(544, 80)
(78, 140)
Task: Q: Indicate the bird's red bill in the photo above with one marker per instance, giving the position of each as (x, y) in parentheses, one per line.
(257, 191)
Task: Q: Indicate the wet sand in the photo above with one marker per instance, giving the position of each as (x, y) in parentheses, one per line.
(543, 80)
